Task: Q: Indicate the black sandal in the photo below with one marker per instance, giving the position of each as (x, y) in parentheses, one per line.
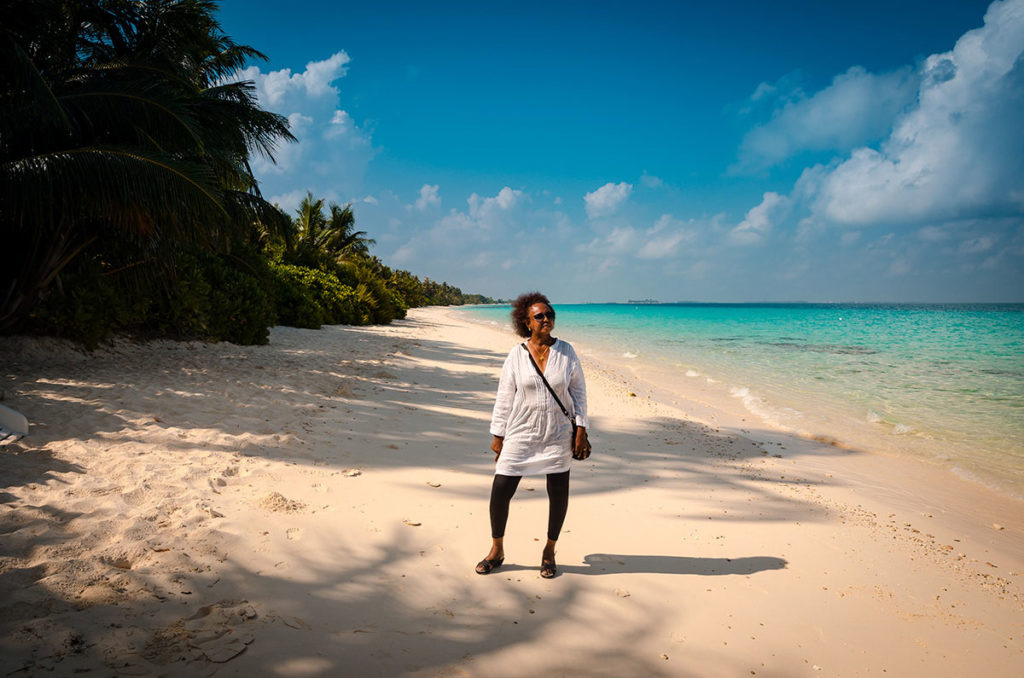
(486, 566)
(548, 569)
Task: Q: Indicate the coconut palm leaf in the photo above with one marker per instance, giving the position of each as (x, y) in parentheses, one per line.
(343, 240)
(107, 183)
(119, 126)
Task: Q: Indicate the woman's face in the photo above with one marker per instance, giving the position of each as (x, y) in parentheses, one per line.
(540, 319)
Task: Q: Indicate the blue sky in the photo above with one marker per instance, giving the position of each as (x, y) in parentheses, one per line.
(747, 151)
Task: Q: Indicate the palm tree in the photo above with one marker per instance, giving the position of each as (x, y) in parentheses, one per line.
(345, 242)
(317, 240)
(306, 244)
(120, 127)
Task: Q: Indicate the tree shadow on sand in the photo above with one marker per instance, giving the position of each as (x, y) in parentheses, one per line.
(361, 613)
(349, 602)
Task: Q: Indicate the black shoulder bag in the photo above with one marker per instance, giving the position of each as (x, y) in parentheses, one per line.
(572, 442)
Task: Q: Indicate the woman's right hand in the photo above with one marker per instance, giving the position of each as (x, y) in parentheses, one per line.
(496, 447)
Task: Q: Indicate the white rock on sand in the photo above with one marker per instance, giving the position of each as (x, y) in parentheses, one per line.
(245, 511)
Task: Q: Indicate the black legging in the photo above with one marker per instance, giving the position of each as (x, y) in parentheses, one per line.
(558, 502)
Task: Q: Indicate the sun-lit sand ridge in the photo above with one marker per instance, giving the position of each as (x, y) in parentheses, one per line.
(316, 506)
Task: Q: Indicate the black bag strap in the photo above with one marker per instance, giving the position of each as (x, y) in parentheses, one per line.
(541, 375)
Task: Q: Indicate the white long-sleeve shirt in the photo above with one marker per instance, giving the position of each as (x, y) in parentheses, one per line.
(536, 432)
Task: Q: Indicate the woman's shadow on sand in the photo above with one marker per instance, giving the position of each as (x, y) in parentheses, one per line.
(612, 563)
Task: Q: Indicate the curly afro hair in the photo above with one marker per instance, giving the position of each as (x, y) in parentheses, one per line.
(520, 311)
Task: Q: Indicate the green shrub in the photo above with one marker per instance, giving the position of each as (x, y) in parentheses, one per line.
(366, 304)
(398, 305)
(183, 308)
(193, 293)
(240, 308)
(378, 304)
(308, 297)
(294, 302)
(211, 297)
(337, 299)
(85, 306)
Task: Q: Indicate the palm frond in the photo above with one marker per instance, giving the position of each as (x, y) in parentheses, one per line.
(22, 91)
(106, 183)
(119, 127)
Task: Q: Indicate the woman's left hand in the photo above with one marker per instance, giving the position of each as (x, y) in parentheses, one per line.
(581, 446)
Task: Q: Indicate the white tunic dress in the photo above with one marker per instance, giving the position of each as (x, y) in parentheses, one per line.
(535, 430)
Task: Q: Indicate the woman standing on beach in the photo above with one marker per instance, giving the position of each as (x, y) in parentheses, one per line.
(532, 434)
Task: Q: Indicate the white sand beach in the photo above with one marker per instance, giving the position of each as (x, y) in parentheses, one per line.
(315, 507)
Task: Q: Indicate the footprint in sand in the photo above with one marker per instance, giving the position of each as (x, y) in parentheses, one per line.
(293, 533)
(345, 391)
(215, 631)
(137, 496)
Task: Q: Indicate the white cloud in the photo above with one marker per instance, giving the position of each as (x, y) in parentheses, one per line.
(621, 238)
(316, 81)
(662, 240)
(428, 197)
(857, 108)
(959, 153)
(299, 123)
(651, 181)
(607, 199)
(621, 241)
(507, 197)
(490, 242)
(977, 245)
(333, 151)
(289, 201)
(288, 156)
(487, 233)
(937, 200)
(486, 209)
(342, 125)
(320, 74)
(405, 255)
(763, 91)
(992, 262)
(760, 220)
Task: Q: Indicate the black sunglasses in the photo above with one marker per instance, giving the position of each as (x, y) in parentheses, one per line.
(550, 315)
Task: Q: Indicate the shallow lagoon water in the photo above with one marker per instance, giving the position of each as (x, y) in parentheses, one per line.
(942, 383)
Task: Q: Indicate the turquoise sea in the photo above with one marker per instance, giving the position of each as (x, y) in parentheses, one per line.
(943, 383)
